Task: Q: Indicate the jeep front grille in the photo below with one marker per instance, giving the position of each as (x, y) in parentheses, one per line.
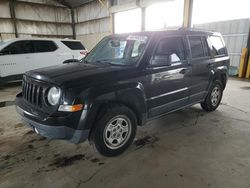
(32, 93)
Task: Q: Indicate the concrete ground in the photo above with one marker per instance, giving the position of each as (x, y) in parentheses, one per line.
(189, 148)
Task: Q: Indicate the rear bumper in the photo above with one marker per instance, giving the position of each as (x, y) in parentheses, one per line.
(57, 131)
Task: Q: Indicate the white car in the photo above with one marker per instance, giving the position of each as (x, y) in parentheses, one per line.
(20, 55)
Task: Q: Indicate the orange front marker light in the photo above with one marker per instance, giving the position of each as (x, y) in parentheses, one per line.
(70, 108)
(77, 107)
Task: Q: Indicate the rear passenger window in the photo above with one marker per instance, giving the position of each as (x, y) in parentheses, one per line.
(44, 46)
(205, 46)
(169, 50)
(217, 45)
(196, 46)
(74, 45)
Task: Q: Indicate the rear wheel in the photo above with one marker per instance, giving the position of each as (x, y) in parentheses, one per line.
(214, 97)
(115, 130)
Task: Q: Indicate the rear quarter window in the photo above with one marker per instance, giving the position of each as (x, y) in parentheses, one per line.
(218, 47)
(74, 45)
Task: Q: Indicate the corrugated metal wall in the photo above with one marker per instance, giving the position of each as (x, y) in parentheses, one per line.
(36, 18)
(235, 34)
(92, 23)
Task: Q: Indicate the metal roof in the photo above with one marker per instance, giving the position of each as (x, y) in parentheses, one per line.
(74, 3)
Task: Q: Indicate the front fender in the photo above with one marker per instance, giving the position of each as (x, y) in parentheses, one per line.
(221, 73)
(130, 94)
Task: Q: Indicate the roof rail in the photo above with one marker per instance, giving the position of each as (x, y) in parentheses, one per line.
(194, 29)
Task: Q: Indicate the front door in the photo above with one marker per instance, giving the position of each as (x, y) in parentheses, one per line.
(16, 58)
(169, 77)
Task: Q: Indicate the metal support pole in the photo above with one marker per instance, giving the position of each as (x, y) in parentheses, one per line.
(73, 23)
(112, 23)
(187, 13)
(143, 18)
(248, 39)
(13, 15)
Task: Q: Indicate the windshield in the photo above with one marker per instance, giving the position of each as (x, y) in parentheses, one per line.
(118, 50)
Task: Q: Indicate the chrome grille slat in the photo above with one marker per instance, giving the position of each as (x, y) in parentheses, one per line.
(32, 93)
(37, 95)
(26, 90)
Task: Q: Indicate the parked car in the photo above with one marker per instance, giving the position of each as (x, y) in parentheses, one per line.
(123, 82)
(20, 55)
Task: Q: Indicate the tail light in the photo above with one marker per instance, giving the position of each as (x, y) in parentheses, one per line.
(84, 52)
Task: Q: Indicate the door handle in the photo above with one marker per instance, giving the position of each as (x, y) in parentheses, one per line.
(166, 77)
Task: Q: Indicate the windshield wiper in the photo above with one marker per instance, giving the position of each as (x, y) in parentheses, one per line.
(107, 62)
(104, 61)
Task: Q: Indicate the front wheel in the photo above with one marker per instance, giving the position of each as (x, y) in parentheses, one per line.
(115, 130)
(214, 97)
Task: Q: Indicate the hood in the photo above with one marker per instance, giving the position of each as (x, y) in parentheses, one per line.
(77, 74)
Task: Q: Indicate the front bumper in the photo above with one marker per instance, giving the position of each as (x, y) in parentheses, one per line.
(57, 131)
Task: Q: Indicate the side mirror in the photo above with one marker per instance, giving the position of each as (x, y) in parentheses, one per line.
(71, 61)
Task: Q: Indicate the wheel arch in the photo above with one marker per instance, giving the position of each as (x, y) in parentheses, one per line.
(221, 73)
(133, 98)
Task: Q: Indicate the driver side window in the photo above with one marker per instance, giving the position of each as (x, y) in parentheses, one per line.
(169, 50)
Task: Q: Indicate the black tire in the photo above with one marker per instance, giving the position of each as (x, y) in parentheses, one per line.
(105, 119)
(209, 104)
(1, 84)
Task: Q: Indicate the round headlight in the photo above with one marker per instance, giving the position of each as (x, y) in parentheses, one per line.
(54, 96)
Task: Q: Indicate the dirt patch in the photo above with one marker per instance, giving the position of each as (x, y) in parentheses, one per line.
(245, 88)
(6, 157)
(146, 140)
(1, 130)
(29, 133)
(6, 103)
(18, 125)
(215, 120)
(33, 140)
(95, 160)
(30, 146)
(57, 155)
(67, 161)
(38, 158)
(41, 139)
(181, 175)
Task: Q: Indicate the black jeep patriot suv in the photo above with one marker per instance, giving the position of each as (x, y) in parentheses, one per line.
(123, 82)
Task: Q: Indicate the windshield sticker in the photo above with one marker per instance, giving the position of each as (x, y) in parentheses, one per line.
(138, 38)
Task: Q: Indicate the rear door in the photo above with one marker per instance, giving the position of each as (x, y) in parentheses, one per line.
(45, 53)
(201, 67)
(169, 76)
